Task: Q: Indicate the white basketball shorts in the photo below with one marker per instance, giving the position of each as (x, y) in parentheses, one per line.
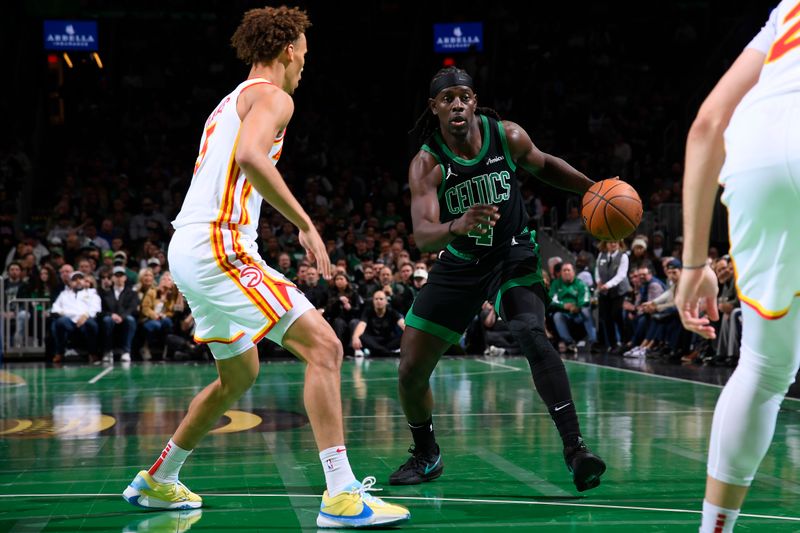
(761, 177)
(235, 298)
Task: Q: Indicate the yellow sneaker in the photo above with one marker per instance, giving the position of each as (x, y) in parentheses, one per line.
(355, 507)
(144, 491)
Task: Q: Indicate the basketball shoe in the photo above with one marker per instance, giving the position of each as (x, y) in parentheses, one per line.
(585, 466)
(144, 491)
(355, 507)
(419, 467)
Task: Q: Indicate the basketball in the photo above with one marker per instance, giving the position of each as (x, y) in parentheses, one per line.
(611, 210)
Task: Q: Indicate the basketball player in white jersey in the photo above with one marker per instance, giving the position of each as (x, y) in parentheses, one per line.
(746, 135)
(235, 297)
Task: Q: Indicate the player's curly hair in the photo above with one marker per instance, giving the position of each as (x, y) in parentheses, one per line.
(264, 32)
(427, 123)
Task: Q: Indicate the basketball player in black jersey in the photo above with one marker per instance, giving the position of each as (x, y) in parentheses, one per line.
(466, 202)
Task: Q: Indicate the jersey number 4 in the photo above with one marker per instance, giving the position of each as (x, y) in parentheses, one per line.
(789, 40)
(482, 239)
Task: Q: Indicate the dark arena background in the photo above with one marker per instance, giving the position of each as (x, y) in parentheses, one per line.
(101, 130)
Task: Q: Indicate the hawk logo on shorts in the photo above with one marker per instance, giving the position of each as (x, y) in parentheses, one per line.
(251, 276)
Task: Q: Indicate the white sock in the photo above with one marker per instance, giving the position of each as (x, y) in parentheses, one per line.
(169, 463)
(338, 474)
(717, 519)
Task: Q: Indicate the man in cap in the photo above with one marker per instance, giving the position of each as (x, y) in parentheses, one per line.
(154, 264)
(121, 259)
(76, 309)
(119, 304)
(420, 278)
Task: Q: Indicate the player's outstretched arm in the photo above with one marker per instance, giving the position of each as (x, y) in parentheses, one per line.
(550, 169)
(265, 111)
(705, 152)
(424, 178)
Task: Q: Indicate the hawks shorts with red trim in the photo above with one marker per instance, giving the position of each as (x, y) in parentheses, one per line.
(235, 298)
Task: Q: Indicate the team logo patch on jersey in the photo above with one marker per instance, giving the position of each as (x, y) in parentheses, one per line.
(251, 276)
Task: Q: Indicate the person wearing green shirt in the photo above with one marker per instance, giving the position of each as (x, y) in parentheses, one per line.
(571, 302)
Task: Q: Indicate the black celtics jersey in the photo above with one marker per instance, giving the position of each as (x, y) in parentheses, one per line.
(489, 178)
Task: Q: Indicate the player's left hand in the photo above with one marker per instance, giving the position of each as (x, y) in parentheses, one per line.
(698, 286)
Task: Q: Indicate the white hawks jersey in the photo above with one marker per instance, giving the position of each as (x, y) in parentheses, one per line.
(220, 193)
(754, 137)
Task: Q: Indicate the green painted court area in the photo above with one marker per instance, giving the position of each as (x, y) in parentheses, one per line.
(72, 438)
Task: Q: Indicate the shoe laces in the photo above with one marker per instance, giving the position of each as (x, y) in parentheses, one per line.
(367, 486)
(416, 460)
(179, 490)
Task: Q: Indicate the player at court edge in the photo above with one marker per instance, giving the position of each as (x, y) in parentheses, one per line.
(746, 136)
(235, 297)
(467, 203)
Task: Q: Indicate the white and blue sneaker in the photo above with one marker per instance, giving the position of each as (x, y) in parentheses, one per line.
(355, 507)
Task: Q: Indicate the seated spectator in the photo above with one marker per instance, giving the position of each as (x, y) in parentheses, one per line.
(398, 294)
(44, 287)
(285, 266)
(85, 266)
(497, 338)
(146, 282)
(666, 329)
(154, 264)
(13, 285)
(730, 312)
(181, 343)
(120, 305)
(638, 256)
(76, 307)
(316, 293)
(64, 277)
(156, 312)
(344, 308)
(650, 288)
(370, 284)
(572, 305)
(635, 319)
(420, 279)
(121, 258)
(379, 330)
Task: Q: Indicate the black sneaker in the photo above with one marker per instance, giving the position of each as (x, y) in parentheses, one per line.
(585, 466)
(419, 467)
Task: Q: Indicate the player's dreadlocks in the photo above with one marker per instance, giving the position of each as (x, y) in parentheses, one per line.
(427, 123)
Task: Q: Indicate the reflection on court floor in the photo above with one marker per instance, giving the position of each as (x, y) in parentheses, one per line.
(70, 441)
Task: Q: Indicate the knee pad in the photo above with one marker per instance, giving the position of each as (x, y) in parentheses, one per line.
(531, 336)
(771, 374)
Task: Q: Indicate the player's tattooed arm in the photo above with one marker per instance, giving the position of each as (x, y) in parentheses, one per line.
(548, 168)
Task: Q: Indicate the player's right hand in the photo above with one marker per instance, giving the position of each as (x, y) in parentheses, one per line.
(315, 249)
(698, 286)
(476, 217)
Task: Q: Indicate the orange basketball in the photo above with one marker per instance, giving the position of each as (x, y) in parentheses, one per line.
(611, 210)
